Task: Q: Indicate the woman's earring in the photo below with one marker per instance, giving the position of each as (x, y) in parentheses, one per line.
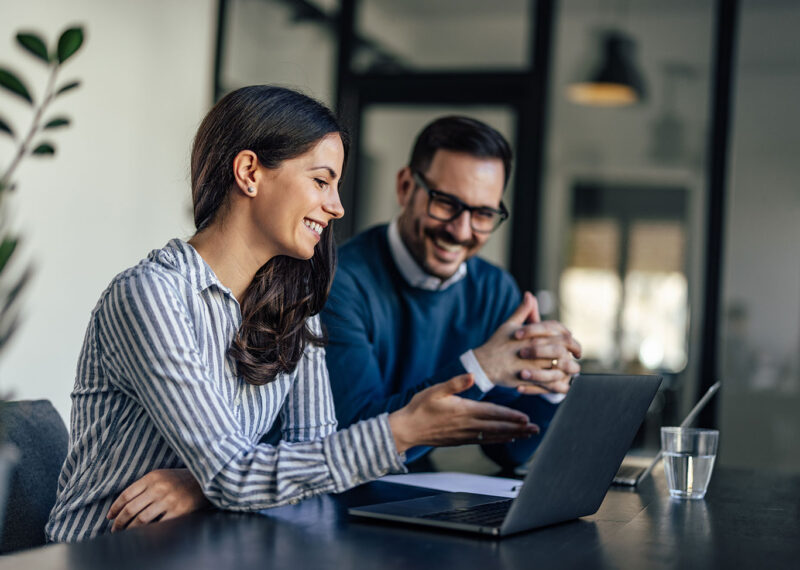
(251, 189)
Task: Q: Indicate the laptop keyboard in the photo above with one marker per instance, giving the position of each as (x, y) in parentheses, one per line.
(488, 514)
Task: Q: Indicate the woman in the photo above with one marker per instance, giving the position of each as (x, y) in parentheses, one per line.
(193, 354)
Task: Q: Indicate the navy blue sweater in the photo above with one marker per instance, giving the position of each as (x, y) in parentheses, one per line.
(389, 340)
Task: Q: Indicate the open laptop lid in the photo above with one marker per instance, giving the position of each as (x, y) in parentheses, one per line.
(570, 472)
(572, 469)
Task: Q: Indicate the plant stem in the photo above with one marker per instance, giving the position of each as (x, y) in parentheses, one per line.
(37, 118)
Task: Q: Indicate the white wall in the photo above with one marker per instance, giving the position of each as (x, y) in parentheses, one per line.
(118, 186)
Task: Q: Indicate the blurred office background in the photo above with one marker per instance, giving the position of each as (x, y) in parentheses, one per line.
(660, 222)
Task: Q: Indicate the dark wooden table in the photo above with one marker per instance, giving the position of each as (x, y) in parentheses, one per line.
(747, 520)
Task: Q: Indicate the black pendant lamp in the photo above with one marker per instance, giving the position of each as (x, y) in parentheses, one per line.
(616, 81)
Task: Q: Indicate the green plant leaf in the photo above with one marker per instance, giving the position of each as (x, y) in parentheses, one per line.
(34, 45)
(67, 87)
(5, 127)
(57, 122)
(6, 251)
(44, 148)
(10, 297)
(11, 82)
(69, 42)
(8, 331)
(14, 292)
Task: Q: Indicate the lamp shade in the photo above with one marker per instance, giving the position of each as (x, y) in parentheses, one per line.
(616, 81)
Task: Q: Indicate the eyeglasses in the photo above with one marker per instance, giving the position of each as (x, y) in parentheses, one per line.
(446, 208)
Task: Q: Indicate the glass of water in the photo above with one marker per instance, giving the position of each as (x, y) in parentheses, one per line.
(689, 455)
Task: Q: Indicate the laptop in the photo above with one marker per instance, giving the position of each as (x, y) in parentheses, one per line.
(568, 476)
(635, 468)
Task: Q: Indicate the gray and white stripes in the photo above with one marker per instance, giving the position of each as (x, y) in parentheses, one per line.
(155, 388)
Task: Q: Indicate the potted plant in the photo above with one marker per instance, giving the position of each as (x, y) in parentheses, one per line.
(35, 141)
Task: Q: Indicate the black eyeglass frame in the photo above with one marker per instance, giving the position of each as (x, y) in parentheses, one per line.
(433, 193)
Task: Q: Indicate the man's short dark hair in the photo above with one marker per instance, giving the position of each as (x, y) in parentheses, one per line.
(460, 134)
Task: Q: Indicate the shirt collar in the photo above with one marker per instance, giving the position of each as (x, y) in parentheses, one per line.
(411, 271)
(190, 263)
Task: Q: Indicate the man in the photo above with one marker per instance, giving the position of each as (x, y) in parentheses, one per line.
(411, 304)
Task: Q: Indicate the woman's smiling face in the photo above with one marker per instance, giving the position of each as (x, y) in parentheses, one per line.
(296, 201)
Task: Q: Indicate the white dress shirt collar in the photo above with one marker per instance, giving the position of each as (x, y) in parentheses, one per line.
(411, 271)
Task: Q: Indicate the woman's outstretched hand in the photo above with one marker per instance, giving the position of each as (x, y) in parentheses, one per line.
(436, 416)
(160, 495)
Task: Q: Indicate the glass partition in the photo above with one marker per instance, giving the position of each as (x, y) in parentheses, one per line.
(621, 261)
(623, 209)
(623, 288)
(449, 35)
(760, 304)
(281, 42)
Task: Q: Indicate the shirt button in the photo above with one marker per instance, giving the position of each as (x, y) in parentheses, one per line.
(294, 501)
(238, 400)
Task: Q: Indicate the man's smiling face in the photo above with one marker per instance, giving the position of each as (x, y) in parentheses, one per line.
(440, 247)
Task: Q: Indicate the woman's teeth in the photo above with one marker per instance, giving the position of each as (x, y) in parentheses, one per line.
(313, 225)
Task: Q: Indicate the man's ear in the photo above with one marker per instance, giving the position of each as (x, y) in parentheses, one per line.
(405, 186)
(245, 172)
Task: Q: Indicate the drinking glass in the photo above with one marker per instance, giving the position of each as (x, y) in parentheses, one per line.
(689, 455)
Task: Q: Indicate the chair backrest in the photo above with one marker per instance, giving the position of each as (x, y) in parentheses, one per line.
(39, 433)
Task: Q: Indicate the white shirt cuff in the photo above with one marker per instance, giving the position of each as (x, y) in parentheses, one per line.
(471, 365)
(554, 398)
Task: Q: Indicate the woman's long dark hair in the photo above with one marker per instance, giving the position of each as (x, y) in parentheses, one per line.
(276, 124)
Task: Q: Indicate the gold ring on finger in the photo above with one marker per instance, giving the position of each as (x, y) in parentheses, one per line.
(554, 363)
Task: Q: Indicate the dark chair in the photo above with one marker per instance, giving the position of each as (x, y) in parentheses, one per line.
(39, 433)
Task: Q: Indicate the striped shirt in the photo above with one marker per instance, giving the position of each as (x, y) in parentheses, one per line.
(156, 388)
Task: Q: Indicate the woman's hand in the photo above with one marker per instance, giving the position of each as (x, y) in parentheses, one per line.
(160, 495)
(436, 416)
